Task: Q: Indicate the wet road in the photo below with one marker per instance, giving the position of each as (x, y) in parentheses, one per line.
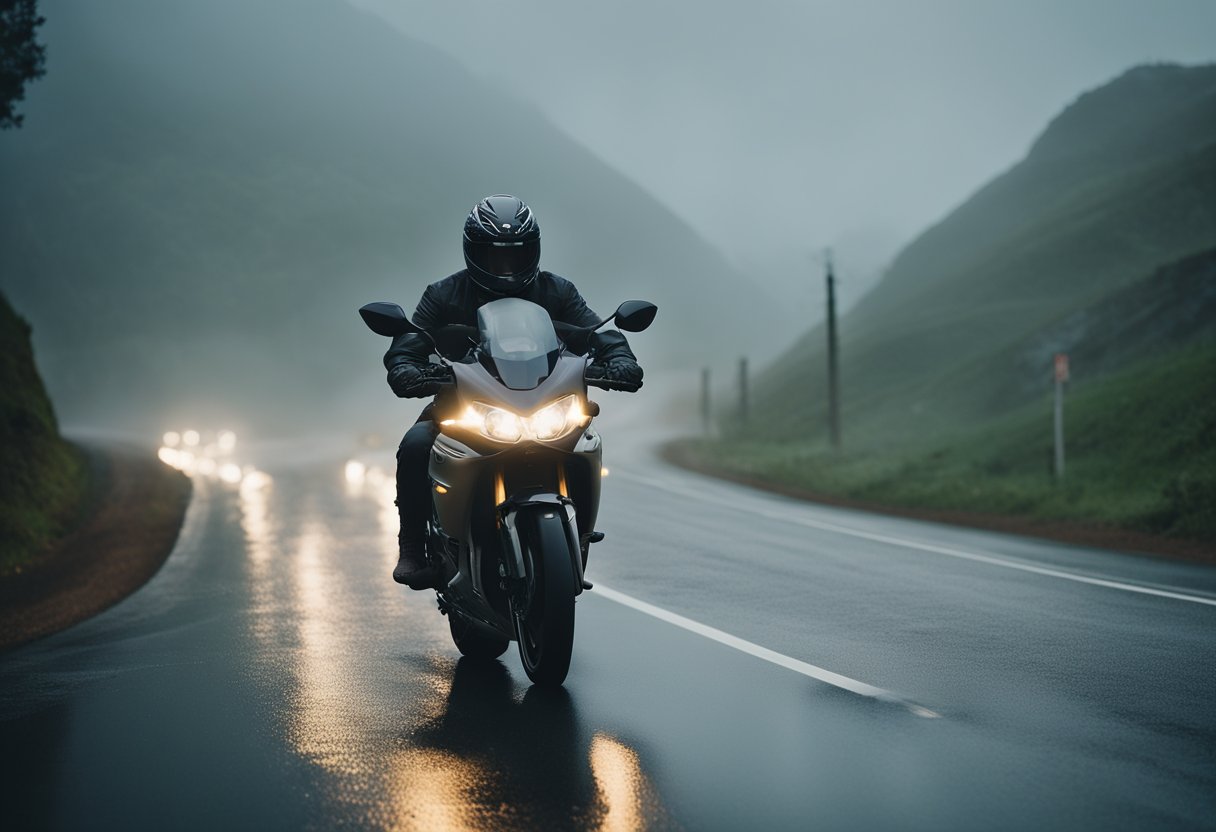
(757, 663)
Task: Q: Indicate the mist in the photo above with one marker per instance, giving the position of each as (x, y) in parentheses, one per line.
(203, 195)
(901, 513)
(780, 128)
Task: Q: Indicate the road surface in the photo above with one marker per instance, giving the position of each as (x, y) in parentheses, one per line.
(746, 662)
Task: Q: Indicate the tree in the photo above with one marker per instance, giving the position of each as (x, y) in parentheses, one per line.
(22, 58)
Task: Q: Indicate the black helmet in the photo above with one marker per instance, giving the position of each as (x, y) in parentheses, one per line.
(502, 245)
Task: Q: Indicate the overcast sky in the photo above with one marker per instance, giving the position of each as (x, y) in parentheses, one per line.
(780, 127)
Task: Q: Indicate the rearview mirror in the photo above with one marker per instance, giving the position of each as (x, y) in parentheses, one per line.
(386, 319)
(635, 315)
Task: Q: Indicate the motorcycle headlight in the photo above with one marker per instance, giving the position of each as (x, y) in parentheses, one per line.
(552, 421)
(557, 419)
(493, 422)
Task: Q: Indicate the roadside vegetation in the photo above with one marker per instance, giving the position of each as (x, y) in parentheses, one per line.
(1100, 244)
(43, 479)
(1141, 456)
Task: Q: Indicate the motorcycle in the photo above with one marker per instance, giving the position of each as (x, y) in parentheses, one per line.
(515, 475)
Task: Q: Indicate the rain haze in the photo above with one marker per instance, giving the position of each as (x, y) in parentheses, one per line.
(917, 535)
(310, 154)
(781, 128)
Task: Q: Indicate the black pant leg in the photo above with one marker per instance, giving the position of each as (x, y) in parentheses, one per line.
(413, 483)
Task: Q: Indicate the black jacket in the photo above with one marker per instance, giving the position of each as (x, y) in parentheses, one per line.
(456, 298)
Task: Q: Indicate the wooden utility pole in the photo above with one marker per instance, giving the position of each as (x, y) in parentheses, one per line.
(743, 402)
(1061, 377)
(705, 404)
(833, 358)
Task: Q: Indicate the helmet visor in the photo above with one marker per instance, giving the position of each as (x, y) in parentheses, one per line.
(505, 259)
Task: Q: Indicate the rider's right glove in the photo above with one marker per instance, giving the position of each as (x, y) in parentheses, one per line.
(409, 381)
(625, 374)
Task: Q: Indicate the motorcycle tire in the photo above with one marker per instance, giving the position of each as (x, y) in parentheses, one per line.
(474, 641)
(546, 631)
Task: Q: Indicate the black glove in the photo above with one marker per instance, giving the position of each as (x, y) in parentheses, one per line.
(623, 373)
(409, 381)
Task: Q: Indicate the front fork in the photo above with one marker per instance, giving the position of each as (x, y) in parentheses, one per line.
(519, 519)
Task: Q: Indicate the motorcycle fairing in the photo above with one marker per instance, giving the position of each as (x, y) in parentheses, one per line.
(475, 383)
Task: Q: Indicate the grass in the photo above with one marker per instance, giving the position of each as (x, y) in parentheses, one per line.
(43, 479)
(1141, 456)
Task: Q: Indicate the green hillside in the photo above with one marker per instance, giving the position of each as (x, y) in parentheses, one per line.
(42, 477)
(203, 193)
(1091, 209)
(1101, 243)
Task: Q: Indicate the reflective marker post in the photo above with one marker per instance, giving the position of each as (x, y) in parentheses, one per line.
(1061, 368)
(744, 404)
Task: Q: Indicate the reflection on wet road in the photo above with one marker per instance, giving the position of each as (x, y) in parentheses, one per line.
(273, 676)
(454, 745)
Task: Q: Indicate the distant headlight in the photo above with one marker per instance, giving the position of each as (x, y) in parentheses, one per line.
(552, 421)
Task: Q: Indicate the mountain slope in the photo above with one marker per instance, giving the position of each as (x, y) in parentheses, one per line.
(1140, 430)
(204, 193)
(1120, 183)
(1100, 244)
(43, 478)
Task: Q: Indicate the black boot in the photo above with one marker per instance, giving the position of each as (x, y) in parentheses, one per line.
(412, 568)
(413, 506)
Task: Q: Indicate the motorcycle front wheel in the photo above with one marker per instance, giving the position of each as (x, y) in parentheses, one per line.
(545, 631)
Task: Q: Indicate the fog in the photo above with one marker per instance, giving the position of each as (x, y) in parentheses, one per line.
(777, 128)
(202, 194)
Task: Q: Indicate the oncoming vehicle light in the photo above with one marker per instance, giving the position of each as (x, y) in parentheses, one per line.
(552, 421)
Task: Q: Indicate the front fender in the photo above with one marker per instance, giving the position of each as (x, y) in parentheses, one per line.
(520, 517)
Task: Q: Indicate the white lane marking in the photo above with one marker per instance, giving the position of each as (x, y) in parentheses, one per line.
(772, 656)
(993, 560)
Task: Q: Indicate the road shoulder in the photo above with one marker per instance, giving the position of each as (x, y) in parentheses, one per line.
(137, 511)
(1101, 537)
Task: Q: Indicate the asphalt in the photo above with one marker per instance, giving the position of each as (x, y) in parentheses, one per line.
(757, 662)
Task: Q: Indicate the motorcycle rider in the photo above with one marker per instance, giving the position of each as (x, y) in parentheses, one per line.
(502, 259)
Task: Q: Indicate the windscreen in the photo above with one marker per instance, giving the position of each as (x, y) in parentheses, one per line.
(518, 337)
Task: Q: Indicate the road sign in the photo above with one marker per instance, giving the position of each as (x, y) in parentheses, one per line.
(1061, 366)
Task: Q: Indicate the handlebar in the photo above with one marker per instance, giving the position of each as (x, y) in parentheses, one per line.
(441, 374)
(608, 384)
